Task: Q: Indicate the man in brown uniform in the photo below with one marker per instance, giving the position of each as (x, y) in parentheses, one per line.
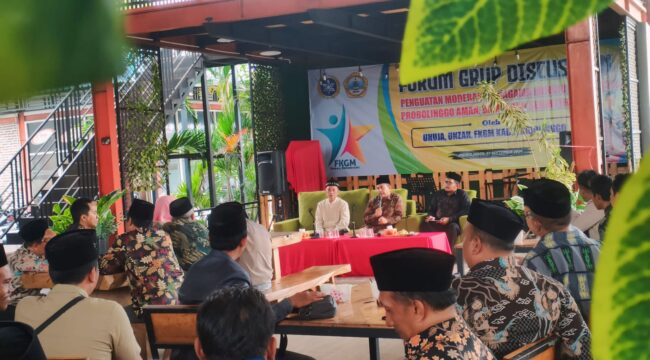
(90, 327)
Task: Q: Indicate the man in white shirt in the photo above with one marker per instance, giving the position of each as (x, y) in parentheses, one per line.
(333, 212)
(257, 257)
(589, 219)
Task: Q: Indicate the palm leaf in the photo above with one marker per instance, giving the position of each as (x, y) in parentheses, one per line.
(187, 142)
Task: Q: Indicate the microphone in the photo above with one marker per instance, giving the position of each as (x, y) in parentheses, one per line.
(315, 234)
(354, 230)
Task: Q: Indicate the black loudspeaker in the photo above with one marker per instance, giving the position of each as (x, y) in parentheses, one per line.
(271, 172)
(565, 146)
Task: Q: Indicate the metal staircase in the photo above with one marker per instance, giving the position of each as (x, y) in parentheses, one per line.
(42, 167)
(59, 157)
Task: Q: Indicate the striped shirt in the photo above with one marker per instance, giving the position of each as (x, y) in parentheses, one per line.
(569, 257)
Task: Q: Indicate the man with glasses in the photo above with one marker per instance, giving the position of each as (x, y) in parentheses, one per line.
(563, 251)
(447, 206)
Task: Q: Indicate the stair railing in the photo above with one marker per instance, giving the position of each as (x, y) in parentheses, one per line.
(45, 154)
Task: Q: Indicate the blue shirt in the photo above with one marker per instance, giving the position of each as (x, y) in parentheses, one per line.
(215, 271)
(569, 257)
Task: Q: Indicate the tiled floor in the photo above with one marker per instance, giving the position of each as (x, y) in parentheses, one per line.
(343, 348)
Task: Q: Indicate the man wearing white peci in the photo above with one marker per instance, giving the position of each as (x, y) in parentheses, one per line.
(333, 212)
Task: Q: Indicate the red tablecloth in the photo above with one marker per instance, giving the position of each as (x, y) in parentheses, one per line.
(356, 252)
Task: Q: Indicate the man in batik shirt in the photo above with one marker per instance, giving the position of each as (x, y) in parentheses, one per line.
(563, 251)
(384, 209)
(507, 305)
(148, 259)
(189, 237)
(30, 257)
(422, 308)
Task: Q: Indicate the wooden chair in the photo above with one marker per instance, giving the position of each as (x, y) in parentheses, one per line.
(543, 349)
(278, 241)
(170, 326)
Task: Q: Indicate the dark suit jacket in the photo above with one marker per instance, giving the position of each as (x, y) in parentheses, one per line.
(217, 270)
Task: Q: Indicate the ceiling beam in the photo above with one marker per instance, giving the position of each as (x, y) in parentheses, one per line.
(287, 39)
(370, 26)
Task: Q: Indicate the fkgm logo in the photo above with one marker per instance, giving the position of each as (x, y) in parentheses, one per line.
(344, 138)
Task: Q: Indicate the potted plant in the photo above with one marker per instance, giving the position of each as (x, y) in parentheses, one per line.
(106, 226)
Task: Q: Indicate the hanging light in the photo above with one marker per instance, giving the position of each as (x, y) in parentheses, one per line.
(360, 71)
(324, 77)
(517, 54)
(495, 61)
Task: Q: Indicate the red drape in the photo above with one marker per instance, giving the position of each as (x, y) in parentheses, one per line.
(305, 166)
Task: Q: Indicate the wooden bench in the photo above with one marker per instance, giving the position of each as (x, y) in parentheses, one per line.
(543, 349)
(174, 326)
(41, 280)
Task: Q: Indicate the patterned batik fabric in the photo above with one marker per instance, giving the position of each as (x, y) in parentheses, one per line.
(150, 264)
(451, 339)
(569, 257)
(509, 306)
(392, 209)
(189, 239)
(21, 261)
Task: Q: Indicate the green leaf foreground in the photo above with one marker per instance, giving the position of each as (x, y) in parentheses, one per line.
(51, 44)
(621, 296)
(445, 35)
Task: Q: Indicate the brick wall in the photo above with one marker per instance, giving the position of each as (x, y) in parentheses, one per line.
(9, 145)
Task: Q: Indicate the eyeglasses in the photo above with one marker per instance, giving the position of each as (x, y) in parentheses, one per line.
(450, 182)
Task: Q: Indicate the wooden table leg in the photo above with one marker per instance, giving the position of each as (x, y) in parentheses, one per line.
(374, 348)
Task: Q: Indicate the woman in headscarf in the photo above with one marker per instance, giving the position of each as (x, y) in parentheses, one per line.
(161, 213)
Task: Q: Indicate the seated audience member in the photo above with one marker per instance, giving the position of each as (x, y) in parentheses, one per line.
(87, 327)
(84, 214)
(447, 206)
(333, 212)
(422, 308)
(18, 341)
(384, 209)
(563, 251)
(257, 256)
(148, 259)
(219, 269)
(601, 186)
(6, 311)
(235, 323)
(617, 185)
(30, 257)
(189, 237)
(161, 212)
(508, 305)
(587, 221)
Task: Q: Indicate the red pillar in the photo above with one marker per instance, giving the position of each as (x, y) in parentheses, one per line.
(108, 161)
(583, 96)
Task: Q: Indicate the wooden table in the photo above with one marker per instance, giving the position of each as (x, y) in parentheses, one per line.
(304, 280)
(522, 247)
(359, 318)
(41, 280)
